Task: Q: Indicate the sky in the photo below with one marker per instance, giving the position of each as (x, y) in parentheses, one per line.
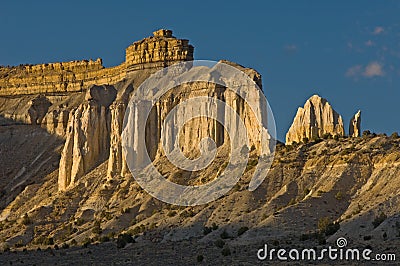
(345, 51)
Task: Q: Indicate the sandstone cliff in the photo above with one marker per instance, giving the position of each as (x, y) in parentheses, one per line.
(116, 160)
(194, 130)
(87, 137)
(157, 51)
(315, 119)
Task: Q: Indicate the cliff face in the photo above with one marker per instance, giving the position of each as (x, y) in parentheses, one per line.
(157, 51)
(116, 160)
(160, 141)
(315, 119)
(87, 137)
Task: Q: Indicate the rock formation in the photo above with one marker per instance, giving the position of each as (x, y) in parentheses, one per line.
(56, 121)
(116, 160)
(87, 137)
(315, 119)
(90, 118)
(193, 131)
(159, 50)
(355, 125)
(38, 108)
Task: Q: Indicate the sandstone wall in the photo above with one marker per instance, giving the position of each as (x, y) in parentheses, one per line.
(87, 137)
(159, 50)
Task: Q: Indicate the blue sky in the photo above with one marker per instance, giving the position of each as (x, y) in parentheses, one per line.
(345, 51)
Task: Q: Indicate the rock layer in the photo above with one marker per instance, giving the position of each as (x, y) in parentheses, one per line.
(315, 119)
(159, 50)
(355, 125)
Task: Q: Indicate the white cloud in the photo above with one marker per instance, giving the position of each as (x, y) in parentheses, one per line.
(374, 69)
(350, 45)
(354, 71)
(369, 43)
(290, 48)
(378, 30)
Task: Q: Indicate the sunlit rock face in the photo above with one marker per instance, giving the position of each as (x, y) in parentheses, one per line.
(315, 119)
(355, 125)
(88, 135)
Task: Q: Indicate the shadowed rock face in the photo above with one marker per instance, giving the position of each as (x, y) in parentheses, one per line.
(355, 125)
(38, 109)
(315, 119)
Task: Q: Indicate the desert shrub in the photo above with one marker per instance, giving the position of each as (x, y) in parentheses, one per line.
(394, 135)
(73, 242)
(325, 226)
(64, 246)
(104, 239)
(305, 140)
(186, 214)
(214, 226)
(339, 195)
(379, 219)
(327, 136)
(304, 237)
(336, 137)
(86, 242)
(107, 215)
(236, 187)
(125, 210)
(316, 139)
(224, 235)
(96, 228)
(242, 230)
(121, 243)
(366, 133)
(79, 221)
(137, 230)
(26, 220)
(207, 230)
(47, 241)
(219, 243)
(366, 238)
(200, 258)
(171, 213)
(123, 239)
(226, 251)
(19, 244)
